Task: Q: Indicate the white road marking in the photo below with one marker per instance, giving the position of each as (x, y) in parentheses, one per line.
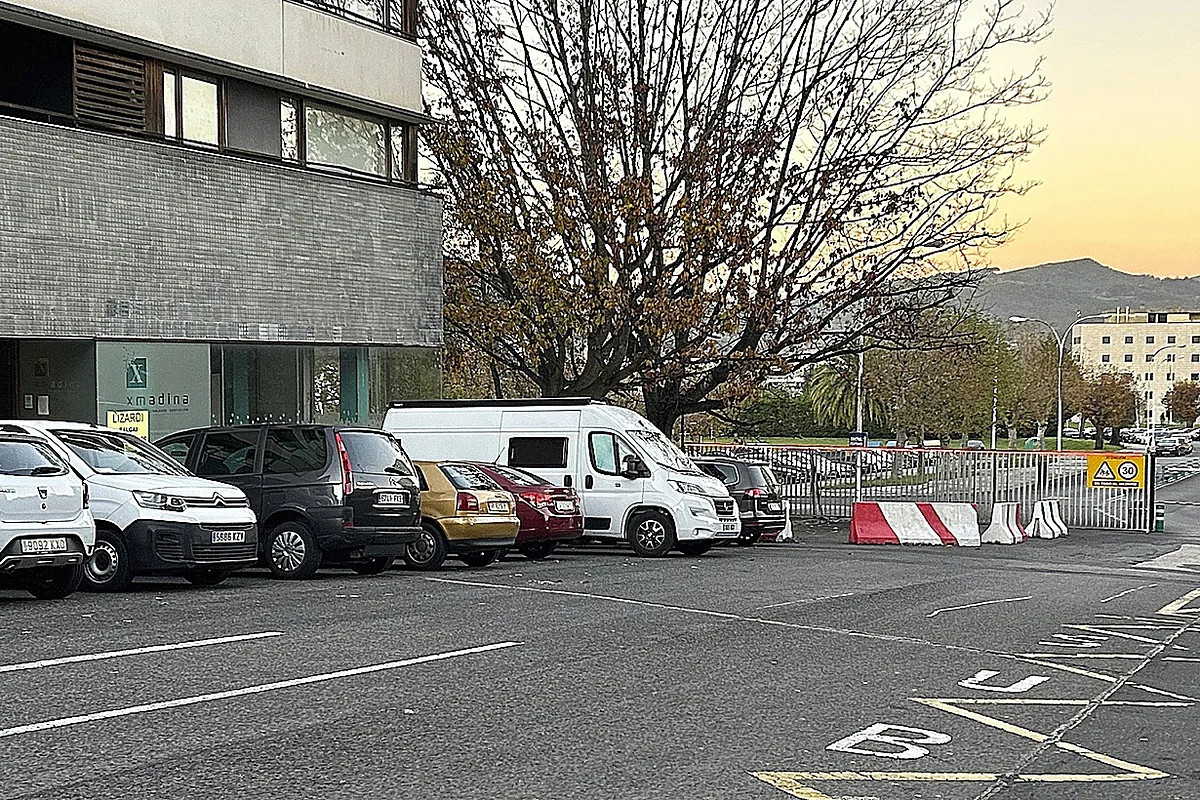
(977, 605)
(1131, 656)
(1180, 607)
(976, 681)
(805, 600)
(248, 690)
(1106, 632)
(137, 651)
(1185, 559)
(1178, 658)
(1128, 591)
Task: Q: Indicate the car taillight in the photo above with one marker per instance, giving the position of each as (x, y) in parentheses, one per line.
(467, 502)
(87, 497)
(347, 471)
(755, 493)
(537, 499)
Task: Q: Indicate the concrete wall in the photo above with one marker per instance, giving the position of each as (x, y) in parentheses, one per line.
(273, 37)
(118, 238)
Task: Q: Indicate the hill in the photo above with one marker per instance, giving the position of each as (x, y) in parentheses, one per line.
(1061, 291)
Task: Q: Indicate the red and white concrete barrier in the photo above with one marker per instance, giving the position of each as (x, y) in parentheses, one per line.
(1047, 522)
(915, 523)
(1006, 525)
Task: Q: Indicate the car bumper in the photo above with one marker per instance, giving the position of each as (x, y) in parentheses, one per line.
(12, 559)
(160, 547)
(718, 530)
(359, 542)
(480, 532)
(552, 529)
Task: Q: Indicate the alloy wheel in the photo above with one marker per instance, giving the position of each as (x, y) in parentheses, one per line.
(288, 551)
(651, 534)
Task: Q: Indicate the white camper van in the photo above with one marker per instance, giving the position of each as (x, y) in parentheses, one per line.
(634, 483)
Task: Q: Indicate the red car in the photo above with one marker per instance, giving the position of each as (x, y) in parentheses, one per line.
(549, 514)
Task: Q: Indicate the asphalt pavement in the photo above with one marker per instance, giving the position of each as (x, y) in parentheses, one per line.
(1052, 669)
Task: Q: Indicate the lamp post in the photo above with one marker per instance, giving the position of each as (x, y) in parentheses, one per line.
(1149, 402)
(1062, 353)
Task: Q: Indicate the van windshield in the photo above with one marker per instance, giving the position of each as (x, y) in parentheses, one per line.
(117, 453)
(663, 452)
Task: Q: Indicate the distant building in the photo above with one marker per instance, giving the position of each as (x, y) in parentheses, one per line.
(1159, 348)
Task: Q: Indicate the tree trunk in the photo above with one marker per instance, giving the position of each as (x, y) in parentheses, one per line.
(1099, 423)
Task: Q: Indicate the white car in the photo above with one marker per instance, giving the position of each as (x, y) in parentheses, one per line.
(153, 517)
(46, 529)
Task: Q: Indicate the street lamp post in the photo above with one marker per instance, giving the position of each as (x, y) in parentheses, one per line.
(1062, 354)
(1149, 402)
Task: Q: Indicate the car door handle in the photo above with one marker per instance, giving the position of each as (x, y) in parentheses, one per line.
(588, 482)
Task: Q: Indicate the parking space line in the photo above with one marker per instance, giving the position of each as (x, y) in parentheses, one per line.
(1106, 632)
(805, 600)
(977, 605)
(1179, 607)
(248, 690)
(137, 651)
(1128, 591)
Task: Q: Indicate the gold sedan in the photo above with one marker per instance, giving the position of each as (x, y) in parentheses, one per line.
(463, 512)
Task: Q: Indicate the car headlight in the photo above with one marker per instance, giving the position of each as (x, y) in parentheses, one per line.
(161, 502)
(688, 488)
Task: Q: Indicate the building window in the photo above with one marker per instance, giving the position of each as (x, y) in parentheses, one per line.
(1196, 340)
(342, 140)
(1105, 340)
(1196, 358)
(1104, 359)
(1128, 340)
(1149, 377)
(191, 108)
(1152, 317)
(1149, 340)
(1170, 340)
(1170, 358)
(1170, 377)
(1196, 376)
(1077, 340)
(1129, 358)
(393, 16)
(1149, 358)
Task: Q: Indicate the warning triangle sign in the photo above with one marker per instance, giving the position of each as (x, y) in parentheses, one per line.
(1104, 473)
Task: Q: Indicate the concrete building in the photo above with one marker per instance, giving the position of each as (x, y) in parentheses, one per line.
(209, 210)
(1159, 348)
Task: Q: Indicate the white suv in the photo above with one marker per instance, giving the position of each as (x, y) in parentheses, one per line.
(152, 516)
(46, 529)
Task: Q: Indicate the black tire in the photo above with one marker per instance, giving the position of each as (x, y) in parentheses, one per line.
(206, 577)
(478, 558)
(536, 551)
(292, 552)
(502, 553)
(651, 534)
(109, 569)
(373, 566)
(54, 583)
(428, 551)
(695, 548)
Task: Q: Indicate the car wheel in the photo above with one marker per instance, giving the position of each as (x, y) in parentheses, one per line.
(428, 551)
(502, 553)
(695, 548)
(292, 551)
(373, 566)
(206, 577)
(478, 558)
(55, 583)
(109, 569)
(651, 533)
(536, 551)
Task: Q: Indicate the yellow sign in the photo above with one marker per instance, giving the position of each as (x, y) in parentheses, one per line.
(135, 422)
(1116, 471)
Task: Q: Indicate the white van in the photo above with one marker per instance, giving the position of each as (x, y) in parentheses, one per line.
(635, 485)
(152, 516)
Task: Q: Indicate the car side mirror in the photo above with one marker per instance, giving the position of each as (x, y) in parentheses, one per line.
(634, 468)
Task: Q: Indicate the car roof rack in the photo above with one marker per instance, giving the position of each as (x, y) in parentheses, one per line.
(500, 403)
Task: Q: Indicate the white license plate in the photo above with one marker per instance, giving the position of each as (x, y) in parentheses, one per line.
(564, 506)
(498, 507)
(774, 506)
(34, 546)
(391, 499)
(228, 537)
(729, 527)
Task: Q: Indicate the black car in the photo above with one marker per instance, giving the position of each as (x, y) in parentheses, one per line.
(754, 486)
(324, 494)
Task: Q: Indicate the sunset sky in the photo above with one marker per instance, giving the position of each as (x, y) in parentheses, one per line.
(1120, 171)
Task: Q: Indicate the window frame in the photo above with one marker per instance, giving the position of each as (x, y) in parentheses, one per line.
(618, 444)
(159, 99)
(187, 439)
(256, 467)
(405, 27)
(560, 464)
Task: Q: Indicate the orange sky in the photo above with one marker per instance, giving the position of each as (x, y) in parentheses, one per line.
(1120, 171)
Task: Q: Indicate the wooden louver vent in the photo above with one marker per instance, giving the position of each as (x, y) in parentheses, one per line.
(110, 89)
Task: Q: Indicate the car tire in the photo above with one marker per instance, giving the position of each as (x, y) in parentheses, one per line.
(428, 551)
(292, 552)
(478, 558)
(206, 577)
(536, 551)
(373, 566)
(695, 548)
(109, 568)
(55, 583)
(651, 534)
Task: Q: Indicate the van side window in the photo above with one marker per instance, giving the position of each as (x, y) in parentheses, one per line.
(545, 452)
(604, 453)
(178, 448)
(228, 452)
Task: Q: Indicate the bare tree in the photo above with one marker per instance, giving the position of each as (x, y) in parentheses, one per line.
(678, 199)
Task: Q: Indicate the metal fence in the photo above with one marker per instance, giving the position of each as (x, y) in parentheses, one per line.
(822, 483)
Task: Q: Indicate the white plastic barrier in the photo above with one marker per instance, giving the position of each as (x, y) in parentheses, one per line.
(1006, 525)
(915, 523)
(1047, 522)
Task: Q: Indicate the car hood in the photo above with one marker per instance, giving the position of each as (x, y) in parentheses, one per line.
(179, 485)
(712, 487)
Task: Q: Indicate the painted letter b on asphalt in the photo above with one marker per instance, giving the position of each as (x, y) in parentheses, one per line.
(889, 741)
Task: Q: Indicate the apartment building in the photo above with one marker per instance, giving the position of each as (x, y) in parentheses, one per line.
(209, 210)
(1159, 348)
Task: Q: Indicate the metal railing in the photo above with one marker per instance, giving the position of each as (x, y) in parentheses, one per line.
(823, 482)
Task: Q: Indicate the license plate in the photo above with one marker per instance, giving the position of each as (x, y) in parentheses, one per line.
(729, 527)
(498, 507)
(775, 506)
(55, 545)
(391, 499)
(228, 537)
(564, 506)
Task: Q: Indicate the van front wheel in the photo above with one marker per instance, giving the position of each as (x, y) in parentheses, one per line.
(651, 534)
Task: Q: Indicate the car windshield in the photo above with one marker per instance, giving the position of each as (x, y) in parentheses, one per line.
(469, 477)
(117, 453)
(662, 452)
(376, 453)
(763, 476)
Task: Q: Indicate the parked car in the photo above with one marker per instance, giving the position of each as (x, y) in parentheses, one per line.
(975, 444)
(46, 526)
(634, 484)
(152, 516)
(755, 488)
(464, 513)
(549, 514)
(324, 494)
